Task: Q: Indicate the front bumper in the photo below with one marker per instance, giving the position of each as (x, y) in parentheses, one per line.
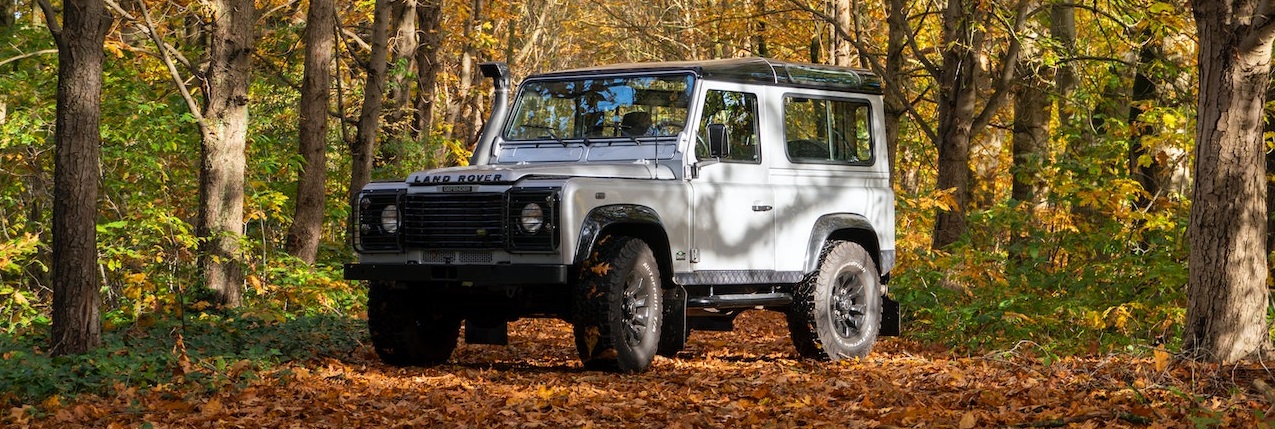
(467, 275)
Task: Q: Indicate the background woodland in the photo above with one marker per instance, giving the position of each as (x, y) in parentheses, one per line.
(1043, 199)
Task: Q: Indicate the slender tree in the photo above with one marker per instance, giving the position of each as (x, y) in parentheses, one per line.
(429, 20)
(957, 107)
(1031, 121)
(77, 325)
(307, 224)
(7, 12)
(1227, 297)
(224, 129)
(896, 37)
(364, 145)
(1062, 27)
(1144, 93)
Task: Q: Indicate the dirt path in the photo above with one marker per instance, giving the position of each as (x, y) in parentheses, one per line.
(747, 378)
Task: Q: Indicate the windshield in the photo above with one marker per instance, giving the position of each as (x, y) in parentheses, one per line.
(623, 107)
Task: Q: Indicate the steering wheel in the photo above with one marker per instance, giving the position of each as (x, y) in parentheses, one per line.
(668, 127)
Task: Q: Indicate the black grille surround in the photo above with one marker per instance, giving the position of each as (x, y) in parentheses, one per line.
(546, 238)
(369, 235)
(477, 221)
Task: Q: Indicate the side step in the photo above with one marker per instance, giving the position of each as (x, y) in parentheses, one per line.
(738, 301)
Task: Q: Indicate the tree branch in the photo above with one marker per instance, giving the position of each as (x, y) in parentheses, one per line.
(28, 55)
(172, 50)
(892, 85)
(51, 20)
(1009, 65)
(163, 55)
(1263, 32)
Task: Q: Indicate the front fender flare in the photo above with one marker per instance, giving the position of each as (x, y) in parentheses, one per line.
(601, 218)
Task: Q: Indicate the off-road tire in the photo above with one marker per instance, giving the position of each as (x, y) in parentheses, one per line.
(617, 306)
(836, 312)
(405, 331)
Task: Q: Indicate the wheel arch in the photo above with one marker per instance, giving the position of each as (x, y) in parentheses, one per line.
(846, 227)
(631, 220)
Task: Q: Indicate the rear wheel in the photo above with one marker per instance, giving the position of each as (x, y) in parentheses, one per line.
(407, 331)
(618, 306)
(836, 313)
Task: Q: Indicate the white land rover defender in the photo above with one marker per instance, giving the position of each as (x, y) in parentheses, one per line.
(640, 202)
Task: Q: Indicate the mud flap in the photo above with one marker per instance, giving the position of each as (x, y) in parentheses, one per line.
(673, 333)
(890, 324)
(486, 332)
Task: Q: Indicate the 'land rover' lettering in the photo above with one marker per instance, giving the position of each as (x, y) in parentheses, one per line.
(462, 178)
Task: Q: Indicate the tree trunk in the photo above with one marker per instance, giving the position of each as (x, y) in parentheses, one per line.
(307, 224)
(759, 30)
(957, 99)
(896, 20)
(456, 110)
(77, 325)
(1031, 136)
(7, 11)
(1030, 145)
(402, 47)
(1147, 172)
(1062, 27)
(842, 50)
(225, 135)
(429, 20)
(364, 144)
(1227, 295)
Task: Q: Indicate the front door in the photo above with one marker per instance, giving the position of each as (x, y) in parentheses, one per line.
(734, 217)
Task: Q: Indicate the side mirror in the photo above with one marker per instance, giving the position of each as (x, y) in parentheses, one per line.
(718, 141)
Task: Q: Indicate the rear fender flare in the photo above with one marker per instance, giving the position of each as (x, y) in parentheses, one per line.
(841, 226)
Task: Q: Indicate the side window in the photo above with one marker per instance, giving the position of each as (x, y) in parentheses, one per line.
(827, 130)
(737, 111)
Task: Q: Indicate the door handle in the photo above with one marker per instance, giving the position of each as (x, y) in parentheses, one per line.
(761, 208)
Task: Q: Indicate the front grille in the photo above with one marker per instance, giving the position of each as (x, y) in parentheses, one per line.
(453, 221)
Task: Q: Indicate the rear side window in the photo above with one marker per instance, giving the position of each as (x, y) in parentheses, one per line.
(819, 130)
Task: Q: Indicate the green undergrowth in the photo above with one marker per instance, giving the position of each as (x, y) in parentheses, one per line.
(220, 350)
(1070, 287)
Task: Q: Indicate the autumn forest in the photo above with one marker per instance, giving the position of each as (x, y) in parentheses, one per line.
(1083, 222)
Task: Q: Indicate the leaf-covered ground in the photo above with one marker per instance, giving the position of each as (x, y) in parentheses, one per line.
(747, 378)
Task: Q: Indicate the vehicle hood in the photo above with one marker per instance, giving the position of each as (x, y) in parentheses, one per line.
(482, 174)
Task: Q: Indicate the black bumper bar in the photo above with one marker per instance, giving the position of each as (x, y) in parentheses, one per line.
(476, 275)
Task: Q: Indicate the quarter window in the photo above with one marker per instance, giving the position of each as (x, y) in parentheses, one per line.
(826, 130)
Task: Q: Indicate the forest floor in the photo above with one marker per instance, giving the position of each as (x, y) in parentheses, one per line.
(747, 378)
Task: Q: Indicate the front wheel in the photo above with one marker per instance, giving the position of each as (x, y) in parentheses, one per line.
(405, 330)
(618, 306)
(836, 312)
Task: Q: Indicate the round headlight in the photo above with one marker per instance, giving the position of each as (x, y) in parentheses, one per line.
(389, 219)
(533, 217)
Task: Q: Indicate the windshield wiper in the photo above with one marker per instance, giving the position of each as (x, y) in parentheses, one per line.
(549, 130)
